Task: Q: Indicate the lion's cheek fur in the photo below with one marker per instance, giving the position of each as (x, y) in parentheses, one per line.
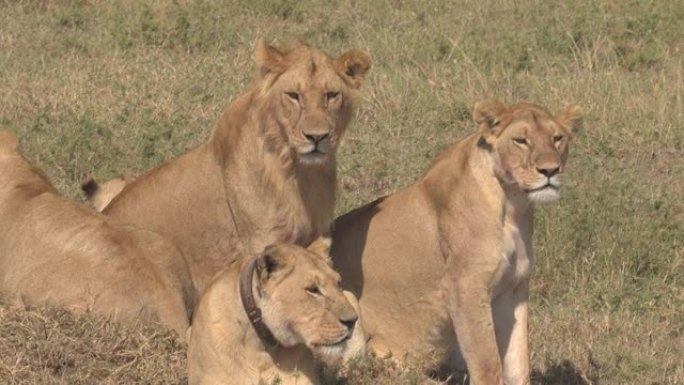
(277, 131)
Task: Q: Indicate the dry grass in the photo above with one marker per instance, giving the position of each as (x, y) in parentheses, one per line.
(117, 87)
(45, 346)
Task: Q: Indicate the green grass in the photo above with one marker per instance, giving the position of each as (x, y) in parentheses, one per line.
(118, 87)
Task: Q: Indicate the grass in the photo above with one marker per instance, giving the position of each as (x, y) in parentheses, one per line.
(118, 87)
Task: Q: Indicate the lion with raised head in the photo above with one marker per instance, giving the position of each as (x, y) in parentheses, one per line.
(266, 319)
(268, 172)
(442, 266)
(57, 252)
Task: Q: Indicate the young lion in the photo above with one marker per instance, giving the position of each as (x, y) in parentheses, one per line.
(452, 253)
(265, 318)
(57, 252)
(268, 172)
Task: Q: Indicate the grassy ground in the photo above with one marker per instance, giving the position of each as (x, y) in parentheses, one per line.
(117, 87)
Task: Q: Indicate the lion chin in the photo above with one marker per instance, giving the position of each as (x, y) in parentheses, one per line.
(313, 158)
(544, 194)
(330, 353)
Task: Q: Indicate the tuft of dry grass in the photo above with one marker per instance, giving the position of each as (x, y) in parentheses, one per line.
(118, 87)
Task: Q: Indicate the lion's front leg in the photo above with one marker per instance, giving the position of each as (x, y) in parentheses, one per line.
(510, 319)
(471, 312)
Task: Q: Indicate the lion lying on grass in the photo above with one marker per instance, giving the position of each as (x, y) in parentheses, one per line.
(448, 258)
(264, 320)
(57, 252)
(267, 174)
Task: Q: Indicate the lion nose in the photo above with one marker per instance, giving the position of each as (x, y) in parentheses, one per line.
(349, 323)
(316, 138)
(548, 171)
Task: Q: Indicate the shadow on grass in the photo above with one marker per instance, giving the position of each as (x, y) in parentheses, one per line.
(561, 373)
(371, 370)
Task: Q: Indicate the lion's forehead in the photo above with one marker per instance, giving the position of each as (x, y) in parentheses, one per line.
(312, 73)
(536, 128)
(322, 81)
(323, 273)
(314, 267)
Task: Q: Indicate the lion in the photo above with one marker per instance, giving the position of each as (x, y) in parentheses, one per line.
(60, 253)
(98, 195)
(442, 266)
(267, 318)
(268, 172)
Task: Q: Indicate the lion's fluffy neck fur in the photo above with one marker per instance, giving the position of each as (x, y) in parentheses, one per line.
(225, 349)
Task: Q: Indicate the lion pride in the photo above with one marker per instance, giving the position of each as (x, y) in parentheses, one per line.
(57, 252)
(266, 319)
(442, 266)
(268, 172)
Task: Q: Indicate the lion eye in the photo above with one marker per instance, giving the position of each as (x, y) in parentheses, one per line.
(557, 138)
(332, 95)
(293, 95)
(313, 289)
(520, 141)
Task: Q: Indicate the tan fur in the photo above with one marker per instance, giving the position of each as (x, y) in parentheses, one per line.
(268, 172)
(451, 255)
(302, 305)
(56, 252)
(98, 195)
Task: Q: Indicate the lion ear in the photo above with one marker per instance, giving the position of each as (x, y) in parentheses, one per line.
(353, 66)
(8, 140)
(268, 58)
(271, 261)
(571, 118)
(321, 247)
(488, 115)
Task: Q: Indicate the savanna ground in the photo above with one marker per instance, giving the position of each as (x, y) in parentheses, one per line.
(118, 87)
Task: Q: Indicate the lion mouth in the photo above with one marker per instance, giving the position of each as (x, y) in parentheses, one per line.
(315, 152)
(314, 156)
(335, 344)
(331, 350)
(548, 185)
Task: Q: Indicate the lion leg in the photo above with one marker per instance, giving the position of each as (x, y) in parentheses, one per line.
(510, 317)
(471, 313)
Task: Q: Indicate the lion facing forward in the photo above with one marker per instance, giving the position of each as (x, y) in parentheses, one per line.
(267, 174)
(265, 319)
(448, 258)
(56, 252)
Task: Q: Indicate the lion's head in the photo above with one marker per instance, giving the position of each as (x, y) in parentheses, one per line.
(308, 98)
(301, 298)
(530, 146)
